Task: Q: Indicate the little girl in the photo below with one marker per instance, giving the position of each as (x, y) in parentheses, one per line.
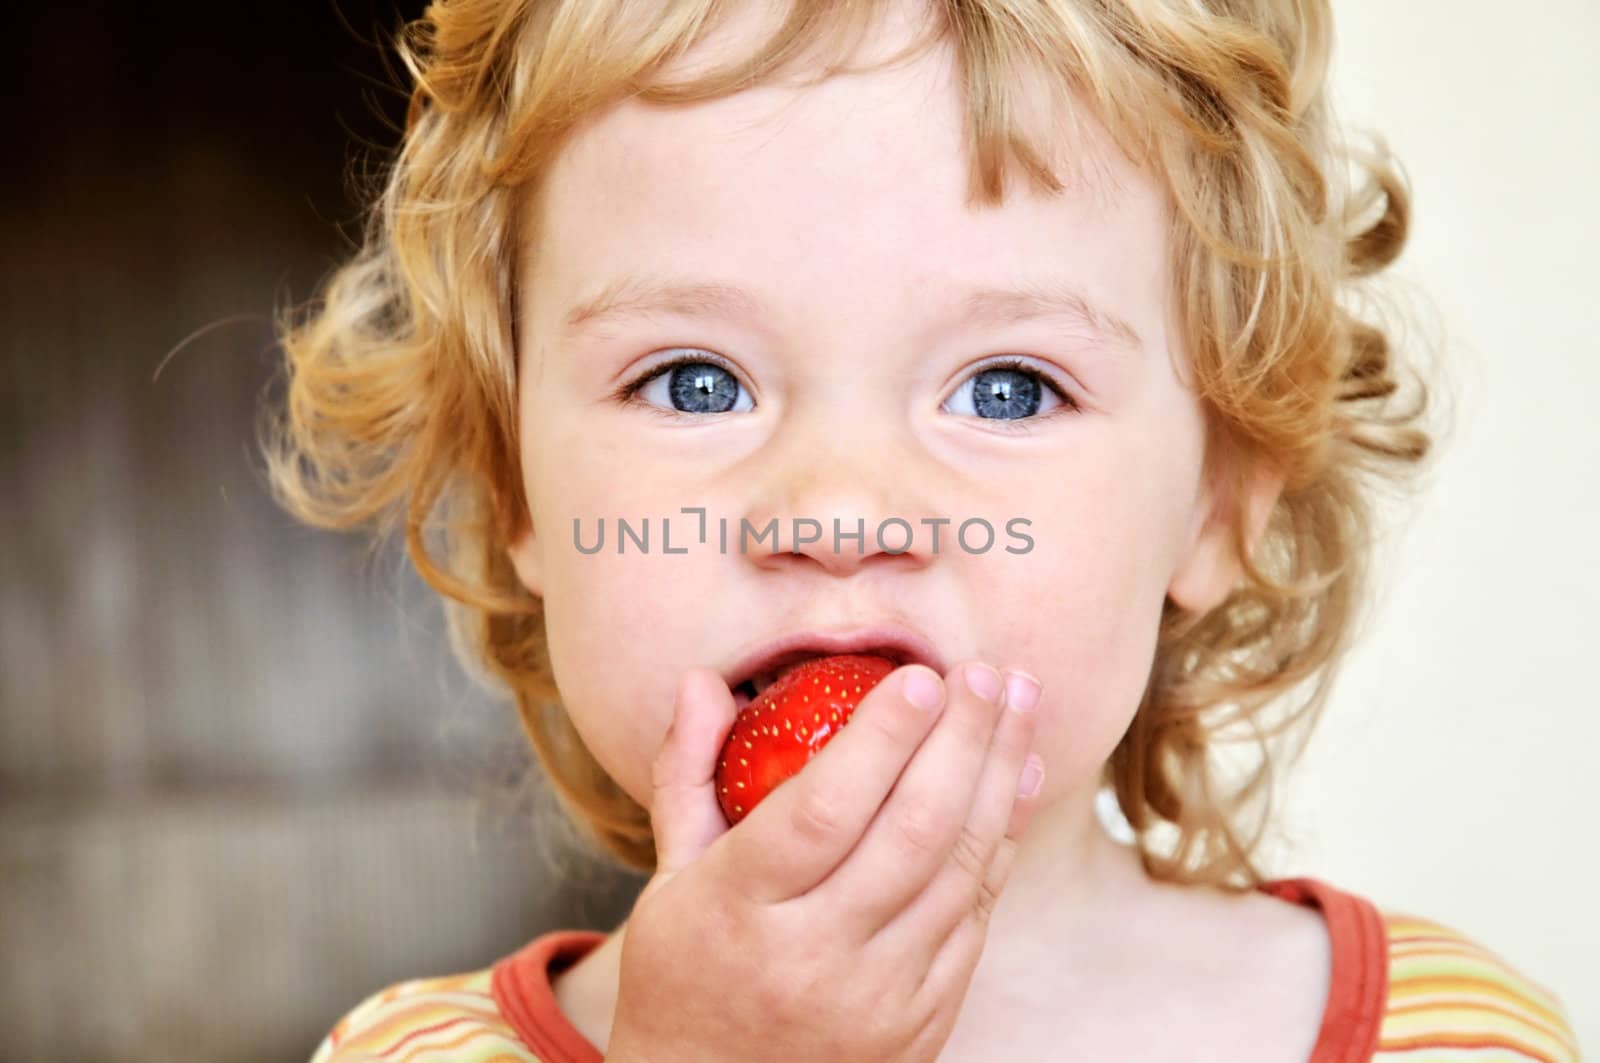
(1081, 272)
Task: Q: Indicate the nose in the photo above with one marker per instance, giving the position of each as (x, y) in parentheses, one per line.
(842, 499)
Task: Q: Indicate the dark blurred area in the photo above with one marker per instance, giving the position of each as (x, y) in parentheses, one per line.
(242, 782)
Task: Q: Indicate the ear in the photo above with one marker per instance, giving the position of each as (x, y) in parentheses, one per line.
(523, 551)
(1210, 568)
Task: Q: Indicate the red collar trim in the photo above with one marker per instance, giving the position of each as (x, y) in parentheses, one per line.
(521, 986)
(1359, 992)
(521, 982)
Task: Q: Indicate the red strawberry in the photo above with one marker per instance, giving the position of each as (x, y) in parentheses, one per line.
(785, 725)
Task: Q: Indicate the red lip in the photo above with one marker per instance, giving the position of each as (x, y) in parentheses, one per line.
(894, 641)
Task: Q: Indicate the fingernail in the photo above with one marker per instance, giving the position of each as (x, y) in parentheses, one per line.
(984, 681)
(1022, 690)
(1032, 775)
(923, 689)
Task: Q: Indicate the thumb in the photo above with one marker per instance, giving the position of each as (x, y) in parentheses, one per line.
(684, 814)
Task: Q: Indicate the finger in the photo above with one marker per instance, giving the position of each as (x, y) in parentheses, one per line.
(1006, 796)
(801, 830)
(920, 827)
(950, 962)
(968, 880)
(983, 899)
(684, 814)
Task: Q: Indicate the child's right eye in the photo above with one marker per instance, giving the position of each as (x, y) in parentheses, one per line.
(689, 384)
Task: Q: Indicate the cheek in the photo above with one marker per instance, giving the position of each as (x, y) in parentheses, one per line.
(620, 629)
(1085, 604)
(1094, 669)
(1089, 607)
(616, 685)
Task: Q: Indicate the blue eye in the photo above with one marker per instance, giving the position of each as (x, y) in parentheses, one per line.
(1008, 390)
(689, 384)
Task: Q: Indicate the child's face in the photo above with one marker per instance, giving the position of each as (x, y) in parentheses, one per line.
(840, 210)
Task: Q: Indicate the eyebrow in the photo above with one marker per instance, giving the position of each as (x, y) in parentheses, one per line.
(632, 297)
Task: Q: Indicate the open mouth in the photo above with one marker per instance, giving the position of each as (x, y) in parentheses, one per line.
(750, 689)
(753, 687)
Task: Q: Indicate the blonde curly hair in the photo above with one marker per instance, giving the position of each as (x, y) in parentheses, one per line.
(401, 378)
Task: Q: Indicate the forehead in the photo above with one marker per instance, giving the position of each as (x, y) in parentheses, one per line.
(864, 178)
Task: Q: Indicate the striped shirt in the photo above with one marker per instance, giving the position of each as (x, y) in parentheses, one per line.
(1403, 990)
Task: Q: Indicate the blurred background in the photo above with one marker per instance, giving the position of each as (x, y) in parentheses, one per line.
(242, 783)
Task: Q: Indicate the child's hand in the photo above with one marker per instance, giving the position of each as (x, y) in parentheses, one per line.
(782, 938)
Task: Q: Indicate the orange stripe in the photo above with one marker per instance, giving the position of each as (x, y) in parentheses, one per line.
(1439, 948)
(405, 1018)
(341, 1029)
(1412, 987)
(1441, 939)
(1448, 1040)
(1455, 949)
(477, 1031)
(1411, 1009)
(419, 1031)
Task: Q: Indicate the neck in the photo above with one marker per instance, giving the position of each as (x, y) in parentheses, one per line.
(1073, 891)
(1068, 870)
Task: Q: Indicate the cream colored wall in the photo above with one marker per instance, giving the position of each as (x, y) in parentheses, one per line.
(1456, 774)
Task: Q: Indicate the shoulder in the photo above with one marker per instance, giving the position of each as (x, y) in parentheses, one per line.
(453, 1015)
(1451, 992)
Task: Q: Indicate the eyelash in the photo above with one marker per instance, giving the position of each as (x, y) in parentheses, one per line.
(628, 392)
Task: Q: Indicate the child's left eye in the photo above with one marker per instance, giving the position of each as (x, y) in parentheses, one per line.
(1008, 390)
